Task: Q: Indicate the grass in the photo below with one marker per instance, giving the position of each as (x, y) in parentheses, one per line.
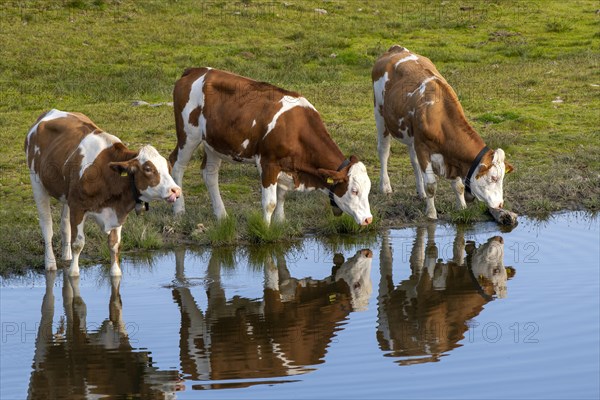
(507, 60)
(259, 232)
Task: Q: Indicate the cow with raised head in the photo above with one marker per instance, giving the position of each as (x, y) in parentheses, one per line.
(242, 120)
(94, 175)
(415, 104)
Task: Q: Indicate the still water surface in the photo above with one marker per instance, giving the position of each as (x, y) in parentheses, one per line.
(430, 312)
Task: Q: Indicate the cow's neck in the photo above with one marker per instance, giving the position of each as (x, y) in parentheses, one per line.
(123, 190)
(463, 149)
(324, 154)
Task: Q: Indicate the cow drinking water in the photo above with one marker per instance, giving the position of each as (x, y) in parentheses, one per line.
(415, 104)
(242, 120)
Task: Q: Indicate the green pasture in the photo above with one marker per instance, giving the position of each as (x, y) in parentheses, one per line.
(527, 74)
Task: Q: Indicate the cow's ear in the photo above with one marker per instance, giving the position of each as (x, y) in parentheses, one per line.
(331, 176)
(124, 166)
(509, 167)
(510, 272)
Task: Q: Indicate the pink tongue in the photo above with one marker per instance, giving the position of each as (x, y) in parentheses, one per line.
(172, 198)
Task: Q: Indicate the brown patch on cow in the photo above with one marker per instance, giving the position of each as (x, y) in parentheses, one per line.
(486, 163)
(195, 116)
(146, 176)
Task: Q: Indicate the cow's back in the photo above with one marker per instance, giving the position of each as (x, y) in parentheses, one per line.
(52, 148)
(233, 112)
(416, 99)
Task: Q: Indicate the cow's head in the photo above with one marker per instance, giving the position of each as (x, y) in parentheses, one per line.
(356, 272)
(487, 264)
(486, 183)
(351, 187)
(151, 174)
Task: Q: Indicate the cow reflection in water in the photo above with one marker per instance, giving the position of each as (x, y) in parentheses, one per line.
(73, 362)
(427, 314)
(279, 335)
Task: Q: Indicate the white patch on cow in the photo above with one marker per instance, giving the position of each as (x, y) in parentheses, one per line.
(403, 132)
(91, 146)
(269, 201)
(106, 219)
(429, 103)
(438, 164)
(258, 166)
(412, 112)
(163, 190)
(488, 187)
(253, 123)
(50, 115)
(355, 202)
(422, 87)
(245, 144)
(424, 84)
(288, 102)
(356, 272)
(379, 90)
(411, 57)
(196, 100)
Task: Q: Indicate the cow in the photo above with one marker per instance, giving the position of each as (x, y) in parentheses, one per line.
(245, 121)
(414, 104)
(93, 174)
(426, 315)
(104, 360)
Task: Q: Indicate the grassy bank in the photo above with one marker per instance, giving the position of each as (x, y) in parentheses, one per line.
(527, 74)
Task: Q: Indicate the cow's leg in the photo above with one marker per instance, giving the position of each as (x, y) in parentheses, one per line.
(114, 241)
(384, 140)
(269, 201)
(279, 213)
(77, 220)
(269, 190)
(419, 179)
(42, 201)
(210, 172)
(459, 190)
(284, 183)
(430, 181)
(179, 158)
(65, 232)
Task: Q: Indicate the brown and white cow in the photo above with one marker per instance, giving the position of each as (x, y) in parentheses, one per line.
(242, 120)
(415, 104)
(93, 175)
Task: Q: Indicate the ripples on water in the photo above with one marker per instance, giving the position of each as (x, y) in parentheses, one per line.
(435, 311)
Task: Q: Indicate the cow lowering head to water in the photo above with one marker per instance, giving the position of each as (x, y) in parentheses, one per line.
(242, 120)
(93, 175)
(415, 104)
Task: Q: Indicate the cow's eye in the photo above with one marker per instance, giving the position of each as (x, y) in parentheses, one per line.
(354, 192)
(494, 179)
(147, 169)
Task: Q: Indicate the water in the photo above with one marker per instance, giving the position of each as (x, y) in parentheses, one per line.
(433, 312)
